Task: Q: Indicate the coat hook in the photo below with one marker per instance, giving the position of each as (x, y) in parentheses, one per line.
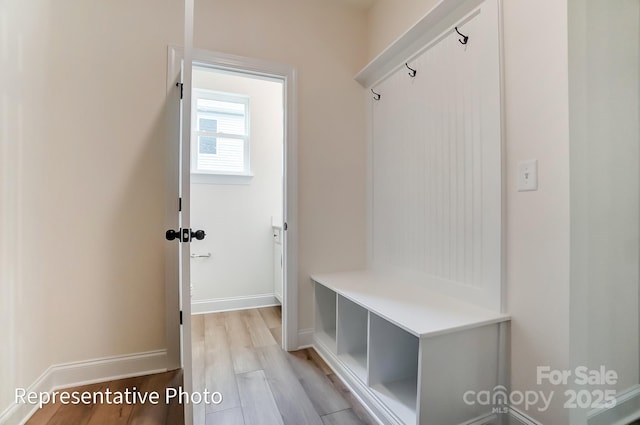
(376, 96)
(465, 38)
(412, 72)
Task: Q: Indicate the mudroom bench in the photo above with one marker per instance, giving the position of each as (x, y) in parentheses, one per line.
(410, 354)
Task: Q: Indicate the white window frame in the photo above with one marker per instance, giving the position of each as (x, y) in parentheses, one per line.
(212, 176)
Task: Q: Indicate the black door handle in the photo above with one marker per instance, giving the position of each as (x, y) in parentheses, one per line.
(172, 235)
(184, 235)
(198, 234)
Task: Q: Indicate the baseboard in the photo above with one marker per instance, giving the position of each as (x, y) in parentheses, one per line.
(86, 372)
(487, 419)
(233, 303)
(305, 338)
(626, 409)
(517, 417)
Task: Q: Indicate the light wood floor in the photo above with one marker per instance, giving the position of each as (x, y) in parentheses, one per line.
(116, 414)
(237, 354)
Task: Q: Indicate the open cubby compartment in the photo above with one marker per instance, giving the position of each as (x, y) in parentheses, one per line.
(325, 331)
(353, 322)
(393, 367)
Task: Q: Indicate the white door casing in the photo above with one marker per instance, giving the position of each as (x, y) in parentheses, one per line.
(288, 76)
(179, 343)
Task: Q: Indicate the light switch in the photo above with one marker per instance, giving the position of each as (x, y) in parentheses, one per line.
(528, 175)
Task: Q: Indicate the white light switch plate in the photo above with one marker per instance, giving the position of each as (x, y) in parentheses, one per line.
(528, 175)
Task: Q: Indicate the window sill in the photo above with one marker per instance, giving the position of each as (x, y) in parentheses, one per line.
(205, 178)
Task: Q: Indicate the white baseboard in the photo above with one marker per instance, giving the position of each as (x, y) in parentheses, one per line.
(86, 372)
(626, 410)
(488, 419)
(305, 338)
(517, 417)
(233, 303)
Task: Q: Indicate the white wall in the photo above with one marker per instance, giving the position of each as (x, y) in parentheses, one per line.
(605, 185)
(435, 153)
(536, 111)
(237, 218)
(83, 136)
(325, 42)
(536, 124)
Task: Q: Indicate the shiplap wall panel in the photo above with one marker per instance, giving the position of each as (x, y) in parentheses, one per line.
(436, 165)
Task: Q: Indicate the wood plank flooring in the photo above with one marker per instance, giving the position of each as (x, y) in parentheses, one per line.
(237, 354)
(116, 414)
(262, 384)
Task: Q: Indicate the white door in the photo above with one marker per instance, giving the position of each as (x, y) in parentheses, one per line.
(178, 254)
(178, 233)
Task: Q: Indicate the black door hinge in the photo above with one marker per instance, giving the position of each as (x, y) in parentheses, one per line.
(180, 316)
(181, 85)
(179, 204)
(285, 226)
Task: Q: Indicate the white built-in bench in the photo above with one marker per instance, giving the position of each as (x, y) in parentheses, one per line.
(409, 353)
(416, 350)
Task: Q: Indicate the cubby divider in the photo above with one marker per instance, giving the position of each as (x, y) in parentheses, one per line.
(352, 335)
(326, 316)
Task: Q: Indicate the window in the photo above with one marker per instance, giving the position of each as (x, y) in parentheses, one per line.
(220, 140)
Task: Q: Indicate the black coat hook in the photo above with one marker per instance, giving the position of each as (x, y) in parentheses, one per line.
(465, 38)
(376, 96)
(412, 72)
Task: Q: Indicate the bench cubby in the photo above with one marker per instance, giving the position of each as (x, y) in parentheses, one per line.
(325, 330)
(352, 336)
(410, 354)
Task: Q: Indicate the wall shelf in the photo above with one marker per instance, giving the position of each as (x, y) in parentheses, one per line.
(439, 18)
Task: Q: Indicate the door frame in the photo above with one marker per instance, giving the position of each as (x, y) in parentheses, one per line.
(288, 75)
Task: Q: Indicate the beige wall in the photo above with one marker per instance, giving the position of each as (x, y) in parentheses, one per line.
(536, 125)
(83, 132)
(91, 77)
(389, 19)
(325, 42)
(83, 135)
